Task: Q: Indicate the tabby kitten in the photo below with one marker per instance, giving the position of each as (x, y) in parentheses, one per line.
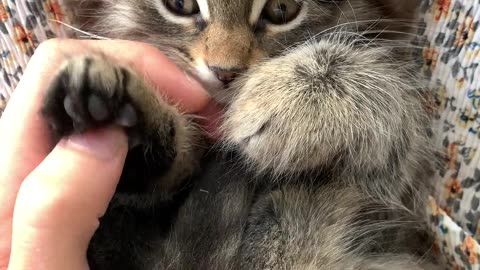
(324, 160)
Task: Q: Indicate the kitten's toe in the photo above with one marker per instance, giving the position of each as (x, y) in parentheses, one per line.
(76, 112)
(97, 107)
(88, 92)
(127, 116)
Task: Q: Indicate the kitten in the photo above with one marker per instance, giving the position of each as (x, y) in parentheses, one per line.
(324, 161)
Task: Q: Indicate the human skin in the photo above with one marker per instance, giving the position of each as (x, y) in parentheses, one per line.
(53, 193)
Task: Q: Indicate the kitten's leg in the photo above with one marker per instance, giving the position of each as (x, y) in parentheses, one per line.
(91, 92)
(303, 228)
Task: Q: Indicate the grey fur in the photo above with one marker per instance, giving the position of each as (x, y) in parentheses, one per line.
(325, 159)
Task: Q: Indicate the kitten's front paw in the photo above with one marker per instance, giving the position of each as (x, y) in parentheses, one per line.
(92, 91)
(88, 92)
(324, 104)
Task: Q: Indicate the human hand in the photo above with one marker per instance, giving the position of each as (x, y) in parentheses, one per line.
(52, 196)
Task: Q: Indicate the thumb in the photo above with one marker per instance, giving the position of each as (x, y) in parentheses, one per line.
(59, 203)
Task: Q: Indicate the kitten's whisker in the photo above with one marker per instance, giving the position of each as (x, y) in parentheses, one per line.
(380, 32)
(354, 15)
(386, 31)
(359, 37)
(341, 11)
(372, 23)
(87, 34)
(321, 9)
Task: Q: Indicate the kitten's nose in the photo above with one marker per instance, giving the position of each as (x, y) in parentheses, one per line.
(226, 76)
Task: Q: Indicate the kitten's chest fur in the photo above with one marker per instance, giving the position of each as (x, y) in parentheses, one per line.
(203, 226)
(232, 218)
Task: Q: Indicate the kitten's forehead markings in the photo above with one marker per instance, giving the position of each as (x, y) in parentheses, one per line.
(205, 74)
(257, 8)
(203, 5)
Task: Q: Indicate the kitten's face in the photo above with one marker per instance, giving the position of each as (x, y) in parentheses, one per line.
(218, 40)
(223, 38)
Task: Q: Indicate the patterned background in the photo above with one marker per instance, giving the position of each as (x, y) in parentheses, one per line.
(450, 61)
(449, 55)
(23, 25)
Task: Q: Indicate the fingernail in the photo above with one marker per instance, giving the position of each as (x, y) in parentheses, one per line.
(103, 143)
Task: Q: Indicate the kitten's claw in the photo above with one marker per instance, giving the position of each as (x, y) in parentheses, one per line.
(127, 116)
(98, 108)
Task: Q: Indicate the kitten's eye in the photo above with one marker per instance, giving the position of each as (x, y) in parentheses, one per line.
(182, 7)
(281, 11)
